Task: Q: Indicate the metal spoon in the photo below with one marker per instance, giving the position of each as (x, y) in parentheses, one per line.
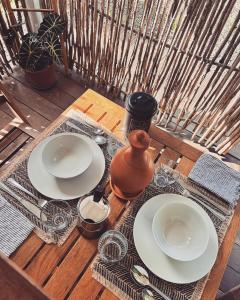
(100, 140)
(147, 295)
(98, 131)
(141, 277)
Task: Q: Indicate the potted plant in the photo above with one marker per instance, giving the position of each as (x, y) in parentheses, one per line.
(40, 50)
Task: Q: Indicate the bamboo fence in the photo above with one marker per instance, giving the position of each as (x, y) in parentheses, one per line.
(184, 52)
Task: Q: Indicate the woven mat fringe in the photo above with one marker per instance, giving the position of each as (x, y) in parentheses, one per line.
(116, 291)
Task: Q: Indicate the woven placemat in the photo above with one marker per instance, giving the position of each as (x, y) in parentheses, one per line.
(82, 125)
(116, 277)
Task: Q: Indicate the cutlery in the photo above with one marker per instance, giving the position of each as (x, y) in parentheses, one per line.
(99, 139)
(147, 295)
(30, 206)
(141, 276)
(77, 128)
(188, 194)
(98, 131)
(201, 197)
(40, 202)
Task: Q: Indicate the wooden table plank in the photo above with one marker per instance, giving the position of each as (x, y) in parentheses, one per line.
(224, 252)
(13, 147)
(107, 295)
(185, 166)
(86, 284)
(9, 138)
(56, 95)
(167, 155)
(24, 254)
(44, 263)
(155, 148)
(15, 284)
(4, 119)
(27, 96)
(78, 258)
(37, 121)
(184, 147)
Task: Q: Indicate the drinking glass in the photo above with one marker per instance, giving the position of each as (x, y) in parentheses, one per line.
(113, 143)
(112, 146)
(163, 174)
(112, 246)
(56, 215)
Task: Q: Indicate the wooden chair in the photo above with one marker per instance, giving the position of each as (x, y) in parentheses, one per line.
(20, 121)
(233, 294)
(15, 284)
(8, 98)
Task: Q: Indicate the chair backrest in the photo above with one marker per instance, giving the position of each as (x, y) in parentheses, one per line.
(233, 294)
(6, 95)
(15, 284)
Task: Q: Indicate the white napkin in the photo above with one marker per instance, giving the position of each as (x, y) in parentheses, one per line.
(14, 227)
(212, 174)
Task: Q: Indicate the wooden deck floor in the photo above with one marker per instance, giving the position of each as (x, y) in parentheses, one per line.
(41, 108)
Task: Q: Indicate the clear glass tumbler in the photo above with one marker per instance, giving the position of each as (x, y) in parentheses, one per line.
(56, 215)
(163, 176)
(113, 143)
(112, 246)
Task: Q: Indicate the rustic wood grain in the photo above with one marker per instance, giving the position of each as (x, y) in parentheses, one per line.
(11, 102)
(4, 119)
(224, 252)
(44, 263)
(183, 147)
(86, 284)
(15, 284)
(37, 121)
(185, 166)
(29, 97)
(13, 147)
(23, 255)
(56, 95)
(9, 138)
(107, 295)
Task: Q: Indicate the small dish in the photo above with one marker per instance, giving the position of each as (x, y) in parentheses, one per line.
(66, 156)
(180, 231)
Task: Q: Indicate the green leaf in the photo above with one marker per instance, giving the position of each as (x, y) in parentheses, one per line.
(30, 51)
(52, 23)
(53, 46)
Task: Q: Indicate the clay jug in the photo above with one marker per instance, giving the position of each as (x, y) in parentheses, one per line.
(132, 168)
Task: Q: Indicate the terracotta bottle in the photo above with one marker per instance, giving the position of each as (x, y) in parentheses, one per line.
(132, 167)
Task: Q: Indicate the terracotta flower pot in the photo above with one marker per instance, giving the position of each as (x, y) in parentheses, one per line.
(43, 79)
(132, 167)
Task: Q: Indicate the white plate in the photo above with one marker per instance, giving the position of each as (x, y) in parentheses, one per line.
(65, 189)
(160, 264)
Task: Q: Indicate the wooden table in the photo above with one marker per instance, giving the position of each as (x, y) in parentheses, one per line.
(64, 272)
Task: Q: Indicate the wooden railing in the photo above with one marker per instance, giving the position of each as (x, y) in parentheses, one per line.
(186, 53)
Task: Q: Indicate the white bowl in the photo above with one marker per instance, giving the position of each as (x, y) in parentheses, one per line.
(180, 231)
(66, 156)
